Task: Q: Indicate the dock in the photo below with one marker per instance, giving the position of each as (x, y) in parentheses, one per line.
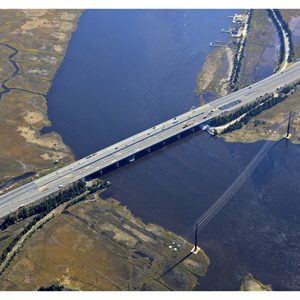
(226, 31)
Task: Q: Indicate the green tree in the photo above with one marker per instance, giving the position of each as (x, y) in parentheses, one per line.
(53, 287)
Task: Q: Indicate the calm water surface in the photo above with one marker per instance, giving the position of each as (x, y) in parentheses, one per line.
(127, 70)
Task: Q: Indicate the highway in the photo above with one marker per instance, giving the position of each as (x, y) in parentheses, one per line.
(126, 148)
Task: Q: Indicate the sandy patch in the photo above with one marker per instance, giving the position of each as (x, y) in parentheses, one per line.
(35, 23)
(252, 286)
(224, 81)
(143, 237)
(58, 48)
(208, 71)
(53, 155)
(50, 47)
(32, 117)
(24, 32)
(119, 235)
(41, 37)
(46, 156)
(34, 12)
(209, 78)
(60, 35)
(50, 60)
(65, 280)
(31, 137)
(68, 16)
(38, 70)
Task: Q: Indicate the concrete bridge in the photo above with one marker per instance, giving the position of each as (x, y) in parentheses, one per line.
(143, 141)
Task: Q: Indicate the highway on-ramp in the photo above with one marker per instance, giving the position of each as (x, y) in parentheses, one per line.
(126, 148)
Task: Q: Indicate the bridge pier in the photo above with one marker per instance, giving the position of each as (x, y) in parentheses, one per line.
(101, 172)
(148, 150)
(178, 135)
(131, 158)
(117, 164)
(164, 142)
(193, 129)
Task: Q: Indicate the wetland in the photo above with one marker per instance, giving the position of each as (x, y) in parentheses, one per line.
(137, 69)
(33, 44)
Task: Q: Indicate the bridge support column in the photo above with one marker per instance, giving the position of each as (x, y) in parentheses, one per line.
(148, 150)
(164, 142)
(178, 135)
(101, 172)
(193, 129)
(118, 164)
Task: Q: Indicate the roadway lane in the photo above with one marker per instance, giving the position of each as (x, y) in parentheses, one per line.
(52, 182)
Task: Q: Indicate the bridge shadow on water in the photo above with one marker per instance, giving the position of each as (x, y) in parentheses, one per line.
(170, 142)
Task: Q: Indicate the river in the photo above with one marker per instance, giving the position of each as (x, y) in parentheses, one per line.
(128, 70)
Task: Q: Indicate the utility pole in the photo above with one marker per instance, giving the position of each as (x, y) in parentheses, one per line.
(196, 249)
(288, 135)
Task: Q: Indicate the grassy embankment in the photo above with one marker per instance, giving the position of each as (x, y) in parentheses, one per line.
(99, 245)
(41, 38)
(261, 126)
(260, 59)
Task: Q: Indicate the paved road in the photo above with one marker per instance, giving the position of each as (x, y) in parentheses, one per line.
(52, 182)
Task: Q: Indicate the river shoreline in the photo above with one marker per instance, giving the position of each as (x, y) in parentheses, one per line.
(259, 127)
(189, 161)
(26, 76)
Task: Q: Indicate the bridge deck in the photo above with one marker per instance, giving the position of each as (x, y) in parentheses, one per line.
(113, 154)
